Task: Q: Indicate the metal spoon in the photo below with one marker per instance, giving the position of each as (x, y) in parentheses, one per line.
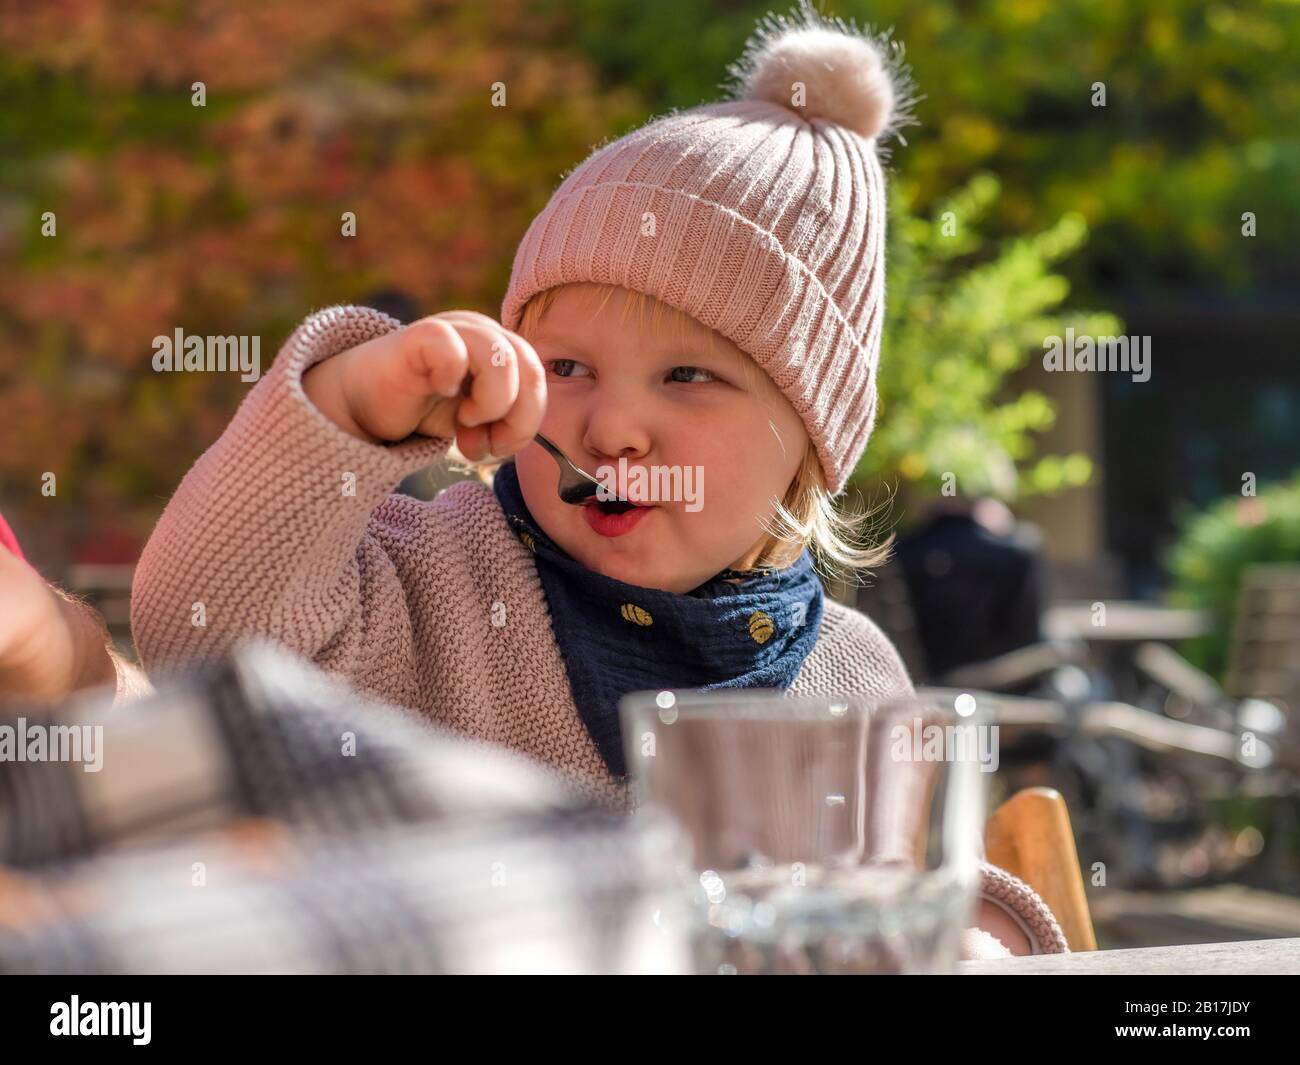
(576, 485)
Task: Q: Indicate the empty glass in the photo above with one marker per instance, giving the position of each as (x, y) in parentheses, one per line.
(826, 835)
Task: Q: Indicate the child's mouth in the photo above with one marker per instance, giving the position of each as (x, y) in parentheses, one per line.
(614, 517)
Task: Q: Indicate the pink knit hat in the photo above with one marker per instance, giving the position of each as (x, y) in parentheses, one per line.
(761, 216)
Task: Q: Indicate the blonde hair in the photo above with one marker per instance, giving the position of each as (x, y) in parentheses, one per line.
(808, 516)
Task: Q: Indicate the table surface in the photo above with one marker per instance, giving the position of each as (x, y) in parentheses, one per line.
(1271, 956)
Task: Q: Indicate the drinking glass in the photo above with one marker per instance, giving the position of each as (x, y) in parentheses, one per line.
(821, 834)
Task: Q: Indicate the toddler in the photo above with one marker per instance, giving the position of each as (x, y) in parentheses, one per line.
(698, 306)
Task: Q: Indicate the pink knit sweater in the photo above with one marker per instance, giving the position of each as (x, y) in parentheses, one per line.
(288, 527)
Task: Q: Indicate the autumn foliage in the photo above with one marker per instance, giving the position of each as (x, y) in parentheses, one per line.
(229, 218)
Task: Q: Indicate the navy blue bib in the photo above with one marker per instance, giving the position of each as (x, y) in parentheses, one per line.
(617, 638)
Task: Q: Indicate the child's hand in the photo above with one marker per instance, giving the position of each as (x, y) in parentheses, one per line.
(458, 374)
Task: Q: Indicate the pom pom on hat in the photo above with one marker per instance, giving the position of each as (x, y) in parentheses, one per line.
(850, 77)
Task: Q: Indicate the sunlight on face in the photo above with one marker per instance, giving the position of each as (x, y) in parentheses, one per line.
(662, 397)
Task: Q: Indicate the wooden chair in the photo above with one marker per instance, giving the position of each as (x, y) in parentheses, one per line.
(1029, 836)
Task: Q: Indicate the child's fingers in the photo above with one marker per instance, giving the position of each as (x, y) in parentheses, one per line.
(521, 422)
(524, 397)
(493, 367)
(434, 356)
(472, 440)
(491, 380)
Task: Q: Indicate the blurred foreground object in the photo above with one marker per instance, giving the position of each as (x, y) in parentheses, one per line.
(829, 834)
(260, 817)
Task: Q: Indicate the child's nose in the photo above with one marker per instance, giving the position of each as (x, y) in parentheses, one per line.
(617, 429)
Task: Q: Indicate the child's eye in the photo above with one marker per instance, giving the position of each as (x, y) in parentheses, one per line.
(566, 367)
(688, 371)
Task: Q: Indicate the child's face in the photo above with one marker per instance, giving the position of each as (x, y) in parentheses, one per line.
(658, 396)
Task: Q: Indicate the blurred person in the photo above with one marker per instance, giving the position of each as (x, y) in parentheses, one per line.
(973, 579)
(51, 643)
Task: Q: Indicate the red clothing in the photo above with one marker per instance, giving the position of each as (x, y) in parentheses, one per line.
(8, 539)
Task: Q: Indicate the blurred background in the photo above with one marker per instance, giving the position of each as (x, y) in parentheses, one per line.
(1115, 168)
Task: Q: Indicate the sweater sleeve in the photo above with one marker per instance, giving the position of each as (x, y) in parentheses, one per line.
(1025, 906)
(270, 532)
